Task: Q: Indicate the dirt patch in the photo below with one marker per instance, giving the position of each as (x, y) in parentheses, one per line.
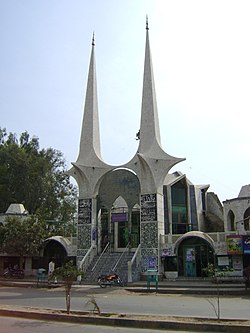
(149, 318)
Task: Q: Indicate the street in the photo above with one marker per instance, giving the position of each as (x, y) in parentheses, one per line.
(118, 300)
(17, 325)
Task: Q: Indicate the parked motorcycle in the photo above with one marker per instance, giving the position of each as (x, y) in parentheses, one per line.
(108, 280)
(13, 273)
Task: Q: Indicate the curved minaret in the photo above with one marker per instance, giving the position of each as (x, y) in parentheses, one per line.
(90, 136)
(151, 162)
(149, 128)
(90, 167)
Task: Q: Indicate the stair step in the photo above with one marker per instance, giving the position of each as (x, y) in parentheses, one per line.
(106, 264)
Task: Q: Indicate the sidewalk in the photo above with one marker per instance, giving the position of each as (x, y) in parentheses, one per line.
(199, 287)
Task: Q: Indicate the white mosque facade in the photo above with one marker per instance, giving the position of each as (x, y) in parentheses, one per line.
(160, 219)
(164, 220)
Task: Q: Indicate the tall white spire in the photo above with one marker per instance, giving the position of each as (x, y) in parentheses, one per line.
(149, 129)
(150, 153)
(90, 135)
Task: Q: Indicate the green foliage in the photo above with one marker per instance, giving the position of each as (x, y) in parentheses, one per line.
(34, 177)
(213, 272)
(22, 237)
(68, 272)
(209, 271)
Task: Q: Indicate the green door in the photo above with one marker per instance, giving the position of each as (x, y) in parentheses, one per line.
(123, 234)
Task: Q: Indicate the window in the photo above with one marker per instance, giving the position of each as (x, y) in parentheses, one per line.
(179, 208)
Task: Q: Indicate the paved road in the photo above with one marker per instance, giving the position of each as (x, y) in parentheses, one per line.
(17, 325)
(121, 301)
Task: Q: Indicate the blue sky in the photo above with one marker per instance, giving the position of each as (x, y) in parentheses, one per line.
(201, 55)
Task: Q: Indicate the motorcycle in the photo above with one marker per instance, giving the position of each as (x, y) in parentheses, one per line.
(13, 273)
(108, 280)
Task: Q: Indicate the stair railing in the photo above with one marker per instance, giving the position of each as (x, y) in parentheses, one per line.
(119, 259)
(101, 255)
(85, 262)
(134, 261)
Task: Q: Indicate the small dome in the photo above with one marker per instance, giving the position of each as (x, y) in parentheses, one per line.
(16, 209)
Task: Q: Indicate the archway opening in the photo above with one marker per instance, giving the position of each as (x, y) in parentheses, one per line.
(118, 200)
(231, 220)
(247, 219)
(54, 249)
(194, 255)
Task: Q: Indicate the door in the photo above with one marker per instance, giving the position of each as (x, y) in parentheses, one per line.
(190, 262)
(194, 254)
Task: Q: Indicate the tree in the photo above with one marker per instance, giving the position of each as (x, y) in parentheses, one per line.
(216, 274)
(22, 237)
(34, 177)
(68, 273)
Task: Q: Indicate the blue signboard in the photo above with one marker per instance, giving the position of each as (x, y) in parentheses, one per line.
(152, 263)
(119, 217)
(246, 244)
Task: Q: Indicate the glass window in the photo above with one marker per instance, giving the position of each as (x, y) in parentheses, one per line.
(170, 264)
(179, 208)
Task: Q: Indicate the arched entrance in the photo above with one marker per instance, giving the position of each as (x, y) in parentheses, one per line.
(247, 219)
(118, 201)
(231, 221)
(194, 254)
(126, 224)
(54, 247)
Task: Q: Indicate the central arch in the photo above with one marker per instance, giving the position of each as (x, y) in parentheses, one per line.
(118, 209)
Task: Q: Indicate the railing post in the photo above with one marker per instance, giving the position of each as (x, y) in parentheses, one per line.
(130, 279)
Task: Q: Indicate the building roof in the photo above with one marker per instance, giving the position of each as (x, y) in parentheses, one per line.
(16, 209)
(245, 191)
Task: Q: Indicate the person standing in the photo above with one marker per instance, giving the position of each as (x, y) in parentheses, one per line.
(51, 270)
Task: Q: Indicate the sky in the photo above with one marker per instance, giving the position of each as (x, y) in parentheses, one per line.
(201, 60)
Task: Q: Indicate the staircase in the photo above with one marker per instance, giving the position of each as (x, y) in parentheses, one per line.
(109, 262)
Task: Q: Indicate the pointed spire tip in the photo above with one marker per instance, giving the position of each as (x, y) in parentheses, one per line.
(147, 28)
(93, 39)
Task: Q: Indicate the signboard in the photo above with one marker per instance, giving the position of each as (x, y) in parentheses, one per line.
(234, 245)
(190, 254)
(148, 207)
(237, 263)
(119, 217)
(152, 263)
(223, 261)
(246, 244)
(168, 251)
(84, 211)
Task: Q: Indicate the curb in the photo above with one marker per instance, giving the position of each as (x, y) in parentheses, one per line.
(138, 321)
(186, 291)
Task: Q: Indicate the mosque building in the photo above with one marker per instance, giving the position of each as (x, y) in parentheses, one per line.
(163, 220)
(139, 216)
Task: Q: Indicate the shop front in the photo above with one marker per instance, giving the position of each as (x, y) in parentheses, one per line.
(189, 256)
(194, 254)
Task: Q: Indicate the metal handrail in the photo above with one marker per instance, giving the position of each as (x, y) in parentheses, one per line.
(136, 258)
(101, 255)
(116, 264)
(87, 258)
(136, 254)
